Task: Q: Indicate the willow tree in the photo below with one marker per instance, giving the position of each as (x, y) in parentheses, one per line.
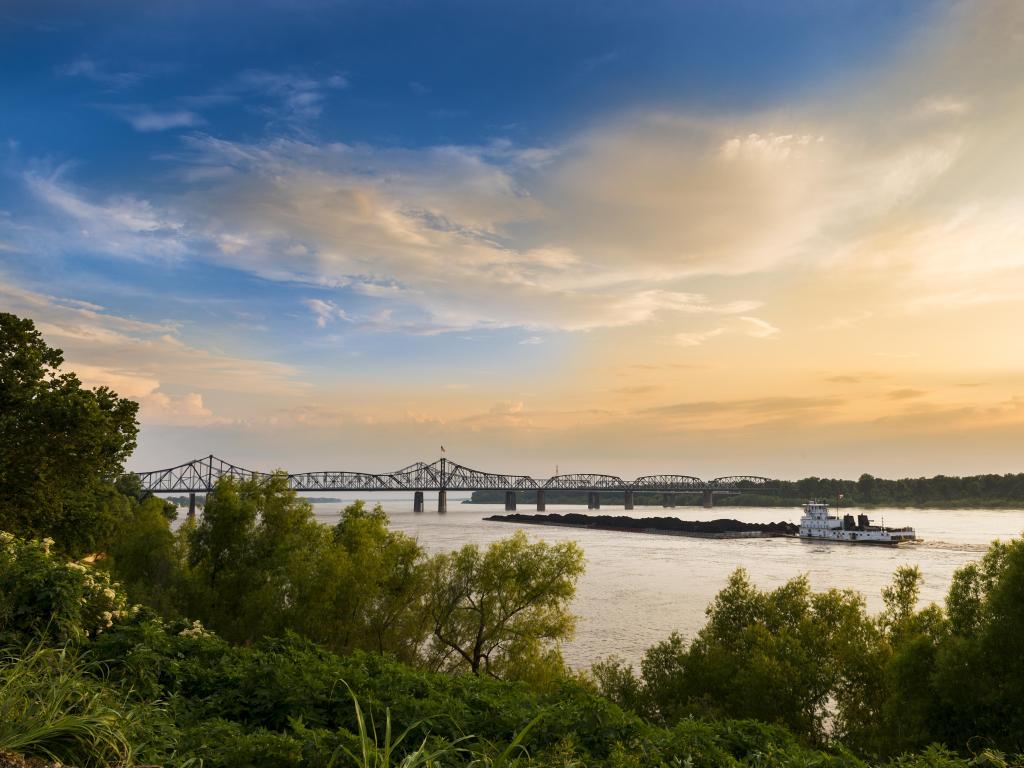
(505, 610)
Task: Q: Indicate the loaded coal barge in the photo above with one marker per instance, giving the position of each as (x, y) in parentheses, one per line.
(669, 526)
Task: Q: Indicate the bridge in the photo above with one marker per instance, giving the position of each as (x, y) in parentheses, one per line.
(443, 475)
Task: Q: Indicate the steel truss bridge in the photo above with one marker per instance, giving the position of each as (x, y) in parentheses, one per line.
(443, 475)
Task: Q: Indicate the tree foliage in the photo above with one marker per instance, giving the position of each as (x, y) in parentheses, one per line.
(503, 611)
(61, 445)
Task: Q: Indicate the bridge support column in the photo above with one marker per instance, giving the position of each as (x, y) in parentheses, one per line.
(541, 504)
(442, 502)
(191, 505)
(417, 501)
(510, 501)
(629, 500)
(668, 500)
(709, 499)
(593, 500)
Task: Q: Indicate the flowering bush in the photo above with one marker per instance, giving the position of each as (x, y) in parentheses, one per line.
(44, 596)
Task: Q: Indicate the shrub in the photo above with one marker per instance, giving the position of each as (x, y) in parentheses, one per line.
(45, 597)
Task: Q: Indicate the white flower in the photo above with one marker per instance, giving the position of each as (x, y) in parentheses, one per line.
(109, 593)
(196, 630)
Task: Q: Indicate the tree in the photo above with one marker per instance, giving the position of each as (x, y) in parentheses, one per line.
(388, 583)
(144, 556)
(783, 656)
(503, 611)
(261, 565)
(61, 445)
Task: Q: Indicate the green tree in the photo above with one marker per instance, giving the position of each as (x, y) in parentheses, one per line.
(784, 656)
(61, 445)
(387, 609)
(145, 557)
(503, 611)
(259, 564)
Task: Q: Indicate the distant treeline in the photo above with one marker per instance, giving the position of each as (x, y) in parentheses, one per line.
(867, 491)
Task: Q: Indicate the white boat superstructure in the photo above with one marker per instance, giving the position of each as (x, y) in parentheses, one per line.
(818, 525)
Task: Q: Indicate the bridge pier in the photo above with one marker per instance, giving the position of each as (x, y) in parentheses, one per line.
(541, 504)
(668, 500)
(510, 501)
(629, 500)
(191, 506)
(417, 501)
(593, 500)
(709, 499)
(442, 502)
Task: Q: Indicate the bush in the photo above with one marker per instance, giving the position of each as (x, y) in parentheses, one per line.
(45, 597)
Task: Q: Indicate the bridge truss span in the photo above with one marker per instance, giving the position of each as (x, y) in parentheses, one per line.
(669, 483)
(585, 482)
(202, 476)
(196, 475)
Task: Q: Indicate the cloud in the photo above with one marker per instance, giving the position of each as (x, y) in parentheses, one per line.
(91, 70)
(149, 361)
(745, 325)
(292, 96)
(905, 394)
(126, 226)
(532, 340)
(855, 378)
(740, 413)
(903, 183)
(148, 120)
(696, 338)
(758, 328)
(325, 312)
(423, 231)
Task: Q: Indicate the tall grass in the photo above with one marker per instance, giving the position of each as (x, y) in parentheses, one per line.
(51, 707)
(381, 750)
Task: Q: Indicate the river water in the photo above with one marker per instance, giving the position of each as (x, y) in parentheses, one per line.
(639, 587)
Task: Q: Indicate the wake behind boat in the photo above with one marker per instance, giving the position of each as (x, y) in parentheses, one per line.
(818, 525)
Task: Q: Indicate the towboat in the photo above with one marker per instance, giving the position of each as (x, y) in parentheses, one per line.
(818, 525)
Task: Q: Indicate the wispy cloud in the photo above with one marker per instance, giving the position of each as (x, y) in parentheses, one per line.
(148, 120)
(148, 361)
(98, 73)
(289, 95)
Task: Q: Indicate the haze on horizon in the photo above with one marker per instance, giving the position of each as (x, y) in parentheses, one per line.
(710, 238)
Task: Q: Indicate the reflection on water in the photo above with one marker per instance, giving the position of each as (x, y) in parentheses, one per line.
(638, 587)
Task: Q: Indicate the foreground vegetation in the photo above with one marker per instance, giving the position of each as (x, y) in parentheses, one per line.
(257, 636)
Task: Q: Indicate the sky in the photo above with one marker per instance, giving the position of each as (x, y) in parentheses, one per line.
(781, 239)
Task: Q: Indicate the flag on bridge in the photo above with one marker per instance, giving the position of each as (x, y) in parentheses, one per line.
(442, 449)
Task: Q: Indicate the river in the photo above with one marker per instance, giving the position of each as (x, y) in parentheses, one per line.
(639, 587)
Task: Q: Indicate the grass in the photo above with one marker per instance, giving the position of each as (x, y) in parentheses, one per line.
(50, 707)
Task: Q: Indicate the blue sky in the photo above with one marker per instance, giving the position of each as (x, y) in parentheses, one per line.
(417, 219)
(104, 96)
